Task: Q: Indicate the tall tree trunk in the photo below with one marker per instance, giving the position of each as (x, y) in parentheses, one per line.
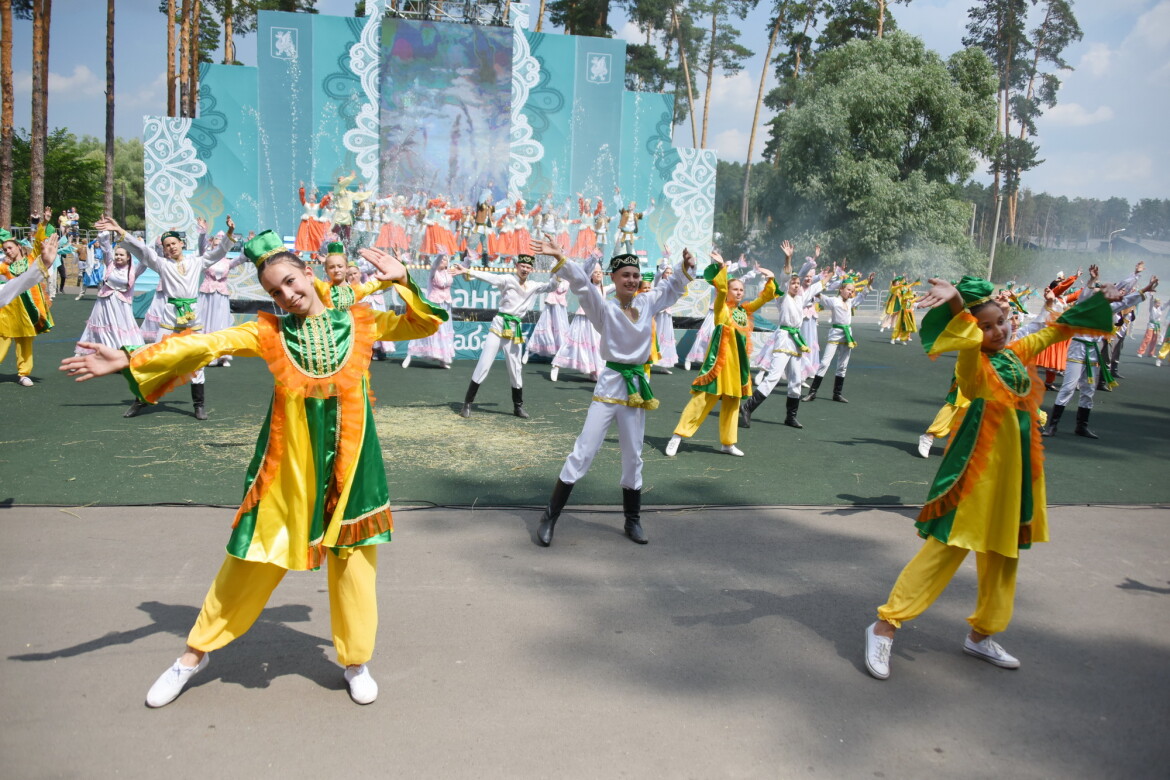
(7, 117)
(42, 11)
(229, 45)
(193, 62)
(747, 167)
(184, 56)
(881, 17)
(540, 17)
(710, 77)
(682, 55)
(1009, 232)
(108, 184)
(171, 58)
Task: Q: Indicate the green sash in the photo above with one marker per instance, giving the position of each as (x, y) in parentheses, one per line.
(512, 329)
(849, 342)
(637, 384)
(184, 309)
(797, 339)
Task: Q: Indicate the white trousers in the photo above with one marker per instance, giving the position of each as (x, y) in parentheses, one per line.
(631, 424)
(784, 365)
(512, 355)
(827, 358)
(1075, 378)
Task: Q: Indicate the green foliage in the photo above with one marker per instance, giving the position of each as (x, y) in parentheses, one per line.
(871, 146)
(581, 17)
(72, 178)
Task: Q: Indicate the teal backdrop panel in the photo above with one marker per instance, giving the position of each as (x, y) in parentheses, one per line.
(284, 42)
(647, 161)
(337, 98)
(549, 110)
(225, 137)
(599, 76)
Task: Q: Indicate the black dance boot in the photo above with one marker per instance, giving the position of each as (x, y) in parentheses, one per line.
(548, 521)
(748, 406)
(197, 400)
(518, 403)
(632, 507)
(468, 399)
(838, 383)
(1082, 428)
(135, 408)
(790, 418)
(1053, 421)
(812, 390)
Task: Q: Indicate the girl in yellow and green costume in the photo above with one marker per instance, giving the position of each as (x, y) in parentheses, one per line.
(725, 376)
(28, 316)
(988, 495)
(316, 488)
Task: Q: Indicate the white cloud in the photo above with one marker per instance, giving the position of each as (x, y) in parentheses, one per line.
(82, 83)
(151, 96)
(732, 144)
(630, 33)
(1097, 60)
(1102, 175)
(1076, 115)
(1152, 30)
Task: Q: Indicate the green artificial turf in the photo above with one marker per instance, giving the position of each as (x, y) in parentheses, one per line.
(67, 443)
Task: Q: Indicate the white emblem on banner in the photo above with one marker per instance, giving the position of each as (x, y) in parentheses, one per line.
(284, 43)
(599, 68)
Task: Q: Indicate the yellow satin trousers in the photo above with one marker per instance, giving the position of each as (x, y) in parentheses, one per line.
(242, 588)
(928, 573)
(700, 406)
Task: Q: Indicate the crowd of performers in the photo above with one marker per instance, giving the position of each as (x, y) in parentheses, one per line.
(316, 491)
(430, 226)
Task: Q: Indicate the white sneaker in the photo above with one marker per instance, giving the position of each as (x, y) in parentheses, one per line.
(406, 362)
(924, 442)
(168, 687)
(1158, 363)
(687, 366)
(226, 362)
(672, 445)
(362, 688)
(446, 365)
(877, 653)
(892, 341)
(731, 449)
(524, 359)
(990, 651)
(24, 381)
(552, 375)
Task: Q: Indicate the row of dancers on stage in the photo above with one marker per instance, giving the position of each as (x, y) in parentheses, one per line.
(987, 497)
(437, 225)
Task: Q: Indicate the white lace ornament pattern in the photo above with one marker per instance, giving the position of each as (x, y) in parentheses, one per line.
(525, 150)
(172, 171)
(364, 61)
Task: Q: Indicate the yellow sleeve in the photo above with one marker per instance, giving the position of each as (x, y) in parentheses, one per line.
(766, 294)
(419, 320)
(369, 288)
(323, 293)
(719, 282)
(157, 369)
(962, 335)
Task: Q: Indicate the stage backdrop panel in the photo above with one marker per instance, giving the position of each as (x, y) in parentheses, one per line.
(225, 138)
(549, 110)
(445, 108)
(337, 98)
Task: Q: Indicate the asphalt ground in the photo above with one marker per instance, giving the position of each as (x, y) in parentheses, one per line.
(730, 646)
(67, 443)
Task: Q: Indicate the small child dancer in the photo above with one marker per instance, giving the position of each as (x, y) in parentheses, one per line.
(725, 376)
(1150, 341)
(841, 310)
(112, 320)
(988, 495)
(622, 394)
(316, 490)
(581, 350)
(215, 303)
(667, 345)
(440, 345)
(549, 334)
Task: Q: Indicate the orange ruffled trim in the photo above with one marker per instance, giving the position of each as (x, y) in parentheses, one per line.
(377, 522)
(137, 359)
(297, 383)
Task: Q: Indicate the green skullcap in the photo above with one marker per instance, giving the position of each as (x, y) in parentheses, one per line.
(525, 259)
(263, 247)
(335, 248)
(618, 262)
(974, 290)
(648, 278)
(170, 234)
(5, 235)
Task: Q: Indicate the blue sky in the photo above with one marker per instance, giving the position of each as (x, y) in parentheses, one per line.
(1104, 138)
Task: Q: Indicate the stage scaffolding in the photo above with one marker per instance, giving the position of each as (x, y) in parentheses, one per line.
(492, 13)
